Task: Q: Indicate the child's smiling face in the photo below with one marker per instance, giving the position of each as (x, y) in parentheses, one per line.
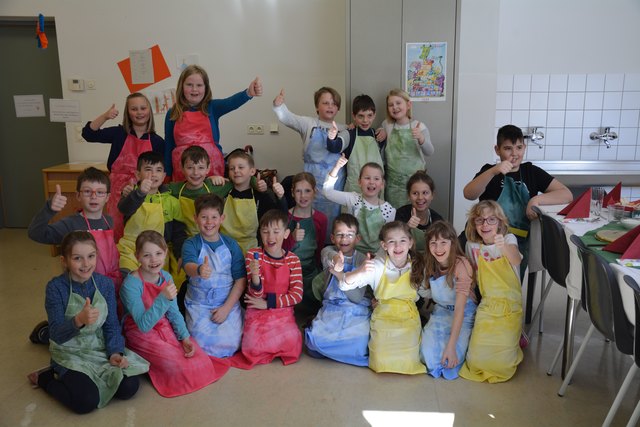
(81, 262)
(92, 197)
(345, 238)
(487, 226)
(397, 244)
(327, 107)
(272, 236)
(371, 182)
(364, 119)
(194, 89)
(195, 173)
(209, 221)
(151, 258)
(303, 194)
(420, 196)
(440, 248)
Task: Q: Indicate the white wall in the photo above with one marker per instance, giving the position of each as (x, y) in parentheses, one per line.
(288, 43)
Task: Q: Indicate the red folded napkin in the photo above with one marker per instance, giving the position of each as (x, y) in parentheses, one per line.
(628, 245)
(613, 196)
(579, 208)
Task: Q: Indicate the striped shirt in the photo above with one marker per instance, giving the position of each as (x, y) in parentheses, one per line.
(266, 290)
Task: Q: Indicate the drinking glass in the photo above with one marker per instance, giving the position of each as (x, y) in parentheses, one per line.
(597, 196)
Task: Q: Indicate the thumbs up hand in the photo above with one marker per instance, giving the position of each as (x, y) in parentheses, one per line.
(277, 188)
(279, 99)
(111, 113)
(88, 315)
(414, 221)
(339, 165)
(58, 201)
(205, 269)
(333, 131)
(169, 291)
(145, 185)
(128, 188)
(298, 233)
(338, 262)
(261, 184)
(369, 265)
(255, 87)
(417, 133)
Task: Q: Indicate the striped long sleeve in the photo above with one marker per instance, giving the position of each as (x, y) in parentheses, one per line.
(267, 290)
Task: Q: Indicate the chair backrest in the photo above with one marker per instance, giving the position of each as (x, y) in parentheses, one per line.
(636, 293)
(555, 249)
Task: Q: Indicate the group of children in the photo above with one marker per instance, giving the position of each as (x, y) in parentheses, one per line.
(190, 308)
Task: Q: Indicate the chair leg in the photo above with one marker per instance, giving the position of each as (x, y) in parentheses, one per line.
(633, 421)
(574, 364)
(573, 306)
(618, 400)
(555, 359)
(531, 287)
(543, 297)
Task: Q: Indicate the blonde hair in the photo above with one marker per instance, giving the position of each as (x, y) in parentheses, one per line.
(126, 120)
(476, 212)
(402, 94)
(181, 102)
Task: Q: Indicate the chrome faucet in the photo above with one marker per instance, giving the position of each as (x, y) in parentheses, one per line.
(605, 137)
(535, 136)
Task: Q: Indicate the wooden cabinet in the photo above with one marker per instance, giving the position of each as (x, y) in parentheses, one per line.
(66, 176)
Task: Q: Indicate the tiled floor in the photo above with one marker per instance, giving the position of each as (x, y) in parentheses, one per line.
(311, 392)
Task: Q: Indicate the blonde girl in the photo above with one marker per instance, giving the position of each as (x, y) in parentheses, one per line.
(494, 353)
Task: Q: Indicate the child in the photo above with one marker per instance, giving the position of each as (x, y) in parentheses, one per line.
(371, 211)
(89, 363)
(155, 328)
(494, 352)
(516, 186)
(193, 119)
(408, 142)
(417, 214)
(93, 192)
(307, 230)
(150, 206)
(275, 286)
(135, 136)
(394, 345)
(340, 331)
(359, 144)
(243, 206)
(446, 337)
(314, 131)
(217, 279)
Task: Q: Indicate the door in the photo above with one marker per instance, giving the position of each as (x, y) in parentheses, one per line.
(27, 144)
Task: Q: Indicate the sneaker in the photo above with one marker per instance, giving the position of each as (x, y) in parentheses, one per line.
(524, 340)
(40, 334)
(33, 376)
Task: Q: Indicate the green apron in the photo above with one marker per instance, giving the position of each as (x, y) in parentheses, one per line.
(306, 251)
(87, 353)
(371, 222)
(365, 150)
(514, 199)
(403, 158)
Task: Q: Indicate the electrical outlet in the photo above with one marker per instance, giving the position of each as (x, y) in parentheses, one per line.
(251, 129)
(259, 129)
(255, 129)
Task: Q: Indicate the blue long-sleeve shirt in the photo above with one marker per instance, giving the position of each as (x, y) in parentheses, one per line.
(215, 109)
(131, 297)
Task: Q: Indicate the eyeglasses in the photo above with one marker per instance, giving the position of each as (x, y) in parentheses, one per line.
(347, 236)
(492, 220)
(99, 193)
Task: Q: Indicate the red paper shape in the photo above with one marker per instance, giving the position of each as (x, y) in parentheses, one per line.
(613, 196)
(160, 70)
(579, 208)
(628, 245)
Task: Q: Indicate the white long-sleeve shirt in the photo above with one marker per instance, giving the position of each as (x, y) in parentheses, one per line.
(354, 201)
(373, 278)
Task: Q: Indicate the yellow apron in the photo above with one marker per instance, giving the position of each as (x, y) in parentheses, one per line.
(241, 222)
(394, 343)
(494, 352)
(149, 216)
(188, 208)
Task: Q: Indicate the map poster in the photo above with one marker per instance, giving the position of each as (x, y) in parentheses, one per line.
(426, 68)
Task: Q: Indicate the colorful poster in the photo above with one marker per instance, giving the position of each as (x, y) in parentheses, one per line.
(160, 70)
(426, 69)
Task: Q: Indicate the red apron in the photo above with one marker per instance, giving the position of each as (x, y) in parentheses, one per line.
(194, 128)
(171, 373)
(272, 332)
(123, 171)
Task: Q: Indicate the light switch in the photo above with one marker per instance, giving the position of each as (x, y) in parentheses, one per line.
(76, 85)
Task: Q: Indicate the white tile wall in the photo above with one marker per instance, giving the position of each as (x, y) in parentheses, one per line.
(568, 107)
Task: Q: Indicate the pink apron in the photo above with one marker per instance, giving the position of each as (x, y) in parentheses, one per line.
(123, 171)
(195, 129)
(171, 373)
(272, 332)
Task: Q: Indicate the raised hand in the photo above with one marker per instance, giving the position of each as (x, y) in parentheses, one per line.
(145, 185)
(255, 87)
(498, 240)
(338, 262)
(279, 100)
(205, 269)
(277, 188)
(188, 348)
(417, 133)
(342, 160)
(261, 184)
(127, 189)
(169, 291)
(117, 359)
(414, 221)
(88, 315)
(333, 131)
(298, 233)
(503, 167)
(58, 201)
(254, 266)
(111, 113)
(368, 265)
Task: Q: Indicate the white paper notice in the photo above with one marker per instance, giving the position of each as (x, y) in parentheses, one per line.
(29, 105)
(141, 66)
(64, 110)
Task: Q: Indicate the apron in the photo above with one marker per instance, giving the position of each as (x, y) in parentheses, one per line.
(435, 335)
(149, 216)
(194, 128)
(171, 373)
(87, 353)
(494, 352)
(513, 199)
(365, 150)
(188, 208)
(394, 345)
(272, 332)
(123, 170)
(203, 295)
(241, 221)
(404, 158)
(340, 331)
(371, 222)
(306, 251)
(318, 161)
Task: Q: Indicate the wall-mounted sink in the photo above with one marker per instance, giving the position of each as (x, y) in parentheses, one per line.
(593, 172)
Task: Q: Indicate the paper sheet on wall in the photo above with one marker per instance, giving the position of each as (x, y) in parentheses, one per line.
(161, 100)
(141, 66)
(426, 70)
(64, 110)
(159, 67)
(29, 105)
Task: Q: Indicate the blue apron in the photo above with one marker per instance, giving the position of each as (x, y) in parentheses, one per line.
(203, 295)
(514, 199)
(436, 333)
(318, 161)
(340, 331)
